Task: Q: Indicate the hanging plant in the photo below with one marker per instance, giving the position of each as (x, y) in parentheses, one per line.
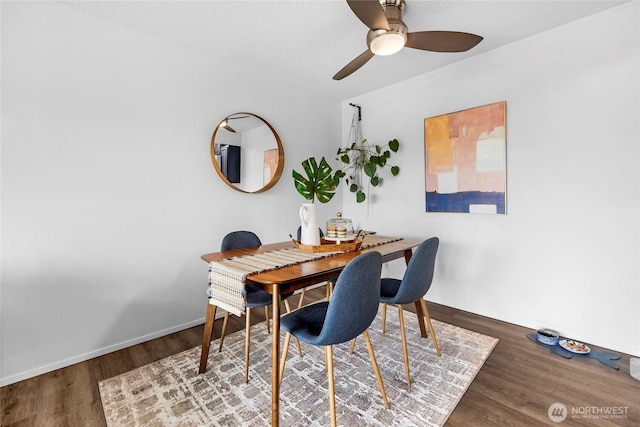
(367, 158)
(319, 183)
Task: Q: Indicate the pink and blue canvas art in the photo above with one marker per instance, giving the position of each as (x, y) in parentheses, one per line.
(465, 160)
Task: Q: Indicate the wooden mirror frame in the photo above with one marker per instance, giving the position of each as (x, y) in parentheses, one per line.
(280, 167)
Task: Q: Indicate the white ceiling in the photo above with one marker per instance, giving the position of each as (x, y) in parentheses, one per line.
(305, 42)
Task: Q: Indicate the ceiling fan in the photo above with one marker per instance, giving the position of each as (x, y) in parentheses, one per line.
(225, 123)
(388, 34)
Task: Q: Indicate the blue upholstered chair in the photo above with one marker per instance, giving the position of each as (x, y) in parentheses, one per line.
(255, 297)
(353, 306)
(411, 289)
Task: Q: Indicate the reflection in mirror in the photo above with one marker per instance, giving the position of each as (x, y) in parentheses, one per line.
(247, 153)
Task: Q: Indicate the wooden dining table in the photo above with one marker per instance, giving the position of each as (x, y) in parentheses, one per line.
(291, 278)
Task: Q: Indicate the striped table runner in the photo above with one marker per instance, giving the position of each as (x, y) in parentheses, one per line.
(227, 277)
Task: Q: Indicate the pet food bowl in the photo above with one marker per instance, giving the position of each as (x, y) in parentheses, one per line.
(547, 336)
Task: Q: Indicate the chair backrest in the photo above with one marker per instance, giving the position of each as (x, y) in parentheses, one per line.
(419, 273)
(239, 240)
(354, 301)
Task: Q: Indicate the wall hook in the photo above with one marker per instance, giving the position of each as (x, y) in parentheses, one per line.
(359, 111)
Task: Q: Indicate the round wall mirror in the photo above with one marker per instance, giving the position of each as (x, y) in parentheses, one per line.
(247, 153)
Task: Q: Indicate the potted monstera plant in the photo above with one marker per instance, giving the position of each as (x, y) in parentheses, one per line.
(368, 159)
(319, 184)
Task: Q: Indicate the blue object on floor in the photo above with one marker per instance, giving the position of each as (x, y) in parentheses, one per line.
(604, 357)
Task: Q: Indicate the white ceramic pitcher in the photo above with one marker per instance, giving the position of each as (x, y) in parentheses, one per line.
(310, 234)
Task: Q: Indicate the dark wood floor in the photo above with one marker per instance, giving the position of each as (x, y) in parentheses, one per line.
(515, 387)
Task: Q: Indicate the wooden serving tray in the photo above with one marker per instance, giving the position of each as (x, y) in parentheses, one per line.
(330, 246)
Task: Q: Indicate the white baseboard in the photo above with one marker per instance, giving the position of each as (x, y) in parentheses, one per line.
(99, 352)
(106, 350)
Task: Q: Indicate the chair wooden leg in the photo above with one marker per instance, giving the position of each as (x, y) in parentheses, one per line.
(431, 331)
(288, 307)
(326, 363)
(283, 358)
(301, 297)
(405, 349)
(329, 290)
(376, 371)
(384, 318)
(206, 337)
(353, 345)
(328, 355)
(266, 318)
(247, 340)
(224, 330)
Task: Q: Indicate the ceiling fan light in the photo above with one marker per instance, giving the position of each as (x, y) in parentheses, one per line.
(388, 43)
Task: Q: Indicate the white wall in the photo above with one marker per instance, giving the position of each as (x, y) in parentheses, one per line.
(109, 196)
(566, 255)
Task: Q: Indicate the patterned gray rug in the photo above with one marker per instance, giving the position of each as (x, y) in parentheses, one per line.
(170, 392)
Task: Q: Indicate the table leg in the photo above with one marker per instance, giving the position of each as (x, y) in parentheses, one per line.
(423, 330)
(407, 255)
(420, 314)
(275, 350)
(206, 337)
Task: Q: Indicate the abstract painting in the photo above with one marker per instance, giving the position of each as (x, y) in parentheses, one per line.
(270, 165)
(466, 161)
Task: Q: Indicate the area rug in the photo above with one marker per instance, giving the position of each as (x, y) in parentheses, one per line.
(170, 392)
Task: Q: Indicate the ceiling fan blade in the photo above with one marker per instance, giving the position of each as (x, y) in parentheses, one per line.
(352, 66)
(370, 12)
(442, 41)
(229, 128)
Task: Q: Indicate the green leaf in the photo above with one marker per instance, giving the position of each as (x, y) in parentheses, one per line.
(325, 185)
(370, 169)
(345, 158)
(311, 168)
(395, 170)
(387, 154)
(303, 186)
(394, 145)
(319, 183)
(353, 188)
(374, 181)
(378, 149)
(360, 197)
